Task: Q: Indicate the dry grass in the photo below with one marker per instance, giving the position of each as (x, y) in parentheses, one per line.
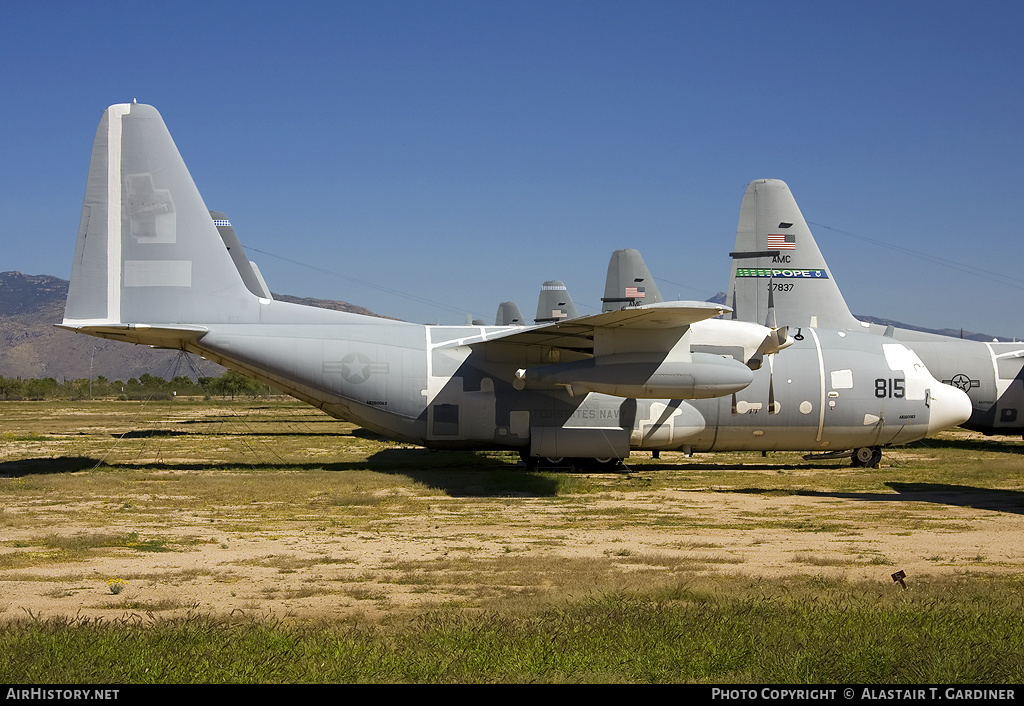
(276, 507)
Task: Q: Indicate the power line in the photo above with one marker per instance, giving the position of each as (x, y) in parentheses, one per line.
(997, 277)
(365, 283)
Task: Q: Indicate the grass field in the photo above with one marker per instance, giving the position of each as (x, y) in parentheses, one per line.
(261, 541)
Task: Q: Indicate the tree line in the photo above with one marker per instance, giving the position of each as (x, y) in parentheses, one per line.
(146, 386)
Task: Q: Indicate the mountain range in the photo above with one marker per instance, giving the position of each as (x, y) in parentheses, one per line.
(31, 347)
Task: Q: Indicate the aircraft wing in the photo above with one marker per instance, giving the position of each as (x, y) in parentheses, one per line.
(638, 351)
(578, 334)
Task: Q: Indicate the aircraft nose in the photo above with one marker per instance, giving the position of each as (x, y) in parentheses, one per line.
(950, 407)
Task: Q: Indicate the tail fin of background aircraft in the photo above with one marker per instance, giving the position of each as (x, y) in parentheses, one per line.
(148, 251)
(554, 303)
(248, 271)
(629, 283)
(508, 315)
(776, 255)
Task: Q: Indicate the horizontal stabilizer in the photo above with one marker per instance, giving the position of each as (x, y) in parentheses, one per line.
(159, 336)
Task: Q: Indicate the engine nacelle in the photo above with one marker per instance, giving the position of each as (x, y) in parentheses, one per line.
(705, 375)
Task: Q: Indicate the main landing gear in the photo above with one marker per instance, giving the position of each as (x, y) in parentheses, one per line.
(608, 464)
(866, 456)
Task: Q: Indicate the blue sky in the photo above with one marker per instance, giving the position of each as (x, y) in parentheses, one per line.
(431, 159)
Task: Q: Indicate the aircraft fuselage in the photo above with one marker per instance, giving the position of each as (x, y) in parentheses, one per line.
(430, 385)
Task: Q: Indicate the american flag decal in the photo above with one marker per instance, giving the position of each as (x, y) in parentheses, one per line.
(780, 241)
(635, 292)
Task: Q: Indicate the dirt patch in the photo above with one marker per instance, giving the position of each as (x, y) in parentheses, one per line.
(343, 563)
(272, 508)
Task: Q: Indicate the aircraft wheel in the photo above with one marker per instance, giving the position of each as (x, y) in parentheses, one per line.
(867, 456)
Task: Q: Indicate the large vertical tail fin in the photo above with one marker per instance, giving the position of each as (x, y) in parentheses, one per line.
(777, 265)
(629, 282)
(148, 251)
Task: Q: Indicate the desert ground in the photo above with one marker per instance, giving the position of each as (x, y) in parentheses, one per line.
(269, 508)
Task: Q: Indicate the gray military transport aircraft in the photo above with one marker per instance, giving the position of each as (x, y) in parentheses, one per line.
(845, 363)
(151, 268)
(777, 264)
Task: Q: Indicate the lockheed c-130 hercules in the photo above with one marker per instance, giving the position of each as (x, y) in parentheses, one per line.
(151, 268)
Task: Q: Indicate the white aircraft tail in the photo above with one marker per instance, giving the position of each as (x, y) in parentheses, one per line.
(148, 251)
(778, 273)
